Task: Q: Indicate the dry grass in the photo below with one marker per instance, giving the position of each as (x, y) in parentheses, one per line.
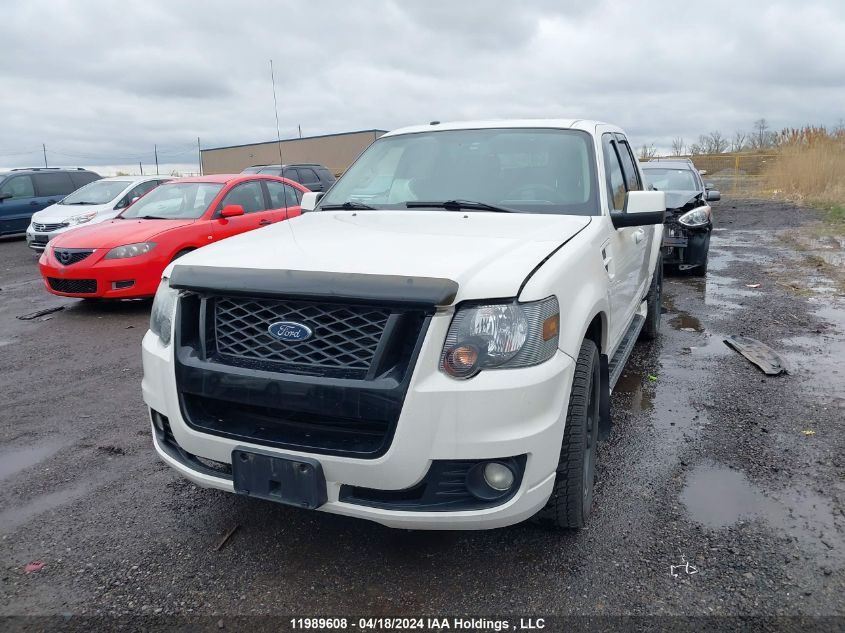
(810, 168)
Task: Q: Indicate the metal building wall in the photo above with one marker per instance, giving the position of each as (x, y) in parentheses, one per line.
(335, 151)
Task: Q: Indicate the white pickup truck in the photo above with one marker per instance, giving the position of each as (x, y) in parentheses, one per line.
(432, 344)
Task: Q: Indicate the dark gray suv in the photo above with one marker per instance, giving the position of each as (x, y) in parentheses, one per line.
(315, 177)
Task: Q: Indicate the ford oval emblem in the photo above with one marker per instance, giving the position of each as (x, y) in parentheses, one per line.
(289, 331)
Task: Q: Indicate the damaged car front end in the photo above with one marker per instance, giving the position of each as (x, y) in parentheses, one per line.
(689, 216)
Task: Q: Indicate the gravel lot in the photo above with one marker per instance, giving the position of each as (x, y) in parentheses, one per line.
(710, 463)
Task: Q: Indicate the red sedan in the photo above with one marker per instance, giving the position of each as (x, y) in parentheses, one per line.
(124, 258)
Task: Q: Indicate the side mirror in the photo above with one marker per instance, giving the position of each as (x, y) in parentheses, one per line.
(641, 209)
(232, 211)
(713, 195)
(310, 200)
(5, 196)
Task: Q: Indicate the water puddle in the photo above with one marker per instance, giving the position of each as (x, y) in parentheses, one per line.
(18, 459)
(719, 497)
(817, 357)
(632, 384)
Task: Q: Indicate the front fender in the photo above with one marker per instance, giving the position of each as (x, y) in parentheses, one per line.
(577, 277)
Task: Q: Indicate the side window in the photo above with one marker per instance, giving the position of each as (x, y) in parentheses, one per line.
(326, 176)
(282, 195)
(19, 187)
(55, 184)
(292, 174)
(294, 196)
(249, 195)
(307, 176)
(136, 192)
(615, 179)
(629, 166)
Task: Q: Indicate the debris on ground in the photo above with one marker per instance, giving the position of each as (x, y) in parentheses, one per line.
(752, 285)
(39, 313)
(808, 432)
(34, 566)
(226, 537)
(652, 377)
(758, 353)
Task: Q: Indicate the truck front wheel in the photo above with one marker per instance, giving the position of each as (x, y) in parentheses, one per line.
(572, 497)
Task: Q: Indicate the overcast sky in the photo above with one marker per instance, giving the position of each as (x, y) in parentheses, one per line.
(100, 82)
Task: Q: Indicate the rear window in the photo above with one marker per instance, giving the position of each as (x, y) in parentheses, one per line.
(81, 178)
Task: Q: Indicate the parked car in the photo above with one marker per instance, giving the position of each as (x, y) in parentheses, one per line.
(25, 191)
(689, 220)
(440, 357)
(311, 175)
(96, 202)
(123, 258)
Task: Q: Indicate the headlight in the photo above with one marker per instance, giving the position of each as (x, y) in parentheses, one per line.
(130, 250)
(82, 218)
(501, 335)
(697, 217)
(164, 305)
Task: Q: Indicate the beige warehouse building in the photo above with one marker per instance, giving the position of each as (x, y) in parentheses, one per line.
(335, 151)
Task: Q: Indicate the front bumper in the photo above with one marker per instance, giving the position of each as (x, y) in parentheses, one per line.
(500, 413)
(104, 278)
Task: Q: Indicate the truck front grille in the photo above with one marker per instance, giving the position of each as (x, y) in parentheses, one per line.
(339, 391)
(344, 337)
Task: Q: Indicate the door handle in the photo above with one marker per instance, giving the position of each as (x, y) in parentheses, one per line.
(639, 234)
(264, 222)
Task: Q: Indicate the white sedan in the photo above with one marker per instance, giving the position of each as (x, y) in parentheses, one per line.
(95, 202)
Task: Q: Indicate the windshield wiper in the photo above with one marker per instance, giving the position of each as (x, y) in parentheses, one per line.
(348, 205)
(75, 203)
(148, 217)
(456, 205)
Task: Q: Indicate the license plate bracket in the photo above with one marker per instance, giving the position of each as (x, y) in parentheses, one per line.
(294, 481)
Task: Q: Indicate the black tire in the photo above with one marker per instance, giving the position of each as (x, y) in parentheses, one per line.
(572, 497)
(184, 251)
(654, 301)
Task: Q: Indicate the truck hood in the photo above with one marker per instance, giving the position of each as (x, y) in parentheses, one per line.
(116, 233)
(488, 255)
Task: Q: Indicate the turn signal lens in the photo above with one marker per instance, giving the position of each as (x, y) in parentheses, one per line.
(551, 327)
(461, 361)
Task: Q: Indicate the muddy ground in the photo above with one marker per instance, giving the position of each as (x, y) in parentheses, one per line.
(710, 463)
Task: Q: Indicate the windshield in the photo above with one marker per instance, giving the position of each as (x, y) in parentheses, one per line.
(671, 179)
(97, 192)
(527, 170)
(176, 201)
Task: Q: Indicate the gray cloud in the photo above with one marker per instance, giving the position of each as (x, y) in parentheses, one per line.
(100, 82)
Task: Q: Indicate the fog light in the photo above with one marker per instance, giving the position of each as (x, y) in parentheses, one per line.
(498, 476)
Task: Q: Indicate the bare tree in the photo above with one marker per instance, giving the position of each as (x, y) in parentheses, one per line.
(762, 137)
(696, 148)
(716, 143)
(647, 152)
(677, 146)
(738, 141)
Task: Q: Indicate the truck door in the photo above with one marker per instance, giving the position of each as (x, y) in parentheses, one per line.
(645, 234)
(622, 252)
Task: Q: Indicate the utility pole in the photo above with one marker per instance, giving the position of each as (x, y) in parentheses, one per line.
(141, 167)
(155, 151)
(199, 155)
(44, 149)
(300, 130)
